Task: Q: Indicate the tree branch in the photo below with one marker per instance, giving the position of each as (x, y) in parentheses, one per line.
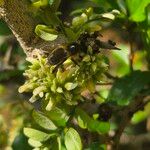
(126, 115)
(18, 15)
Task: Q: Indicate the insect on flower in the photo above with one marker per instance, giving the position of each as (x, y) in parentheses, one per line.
(61, 53)
(79, 39)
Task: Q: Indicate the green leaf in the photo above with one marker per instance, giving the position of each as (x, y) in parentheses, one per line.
(71, 35)
(70, 86)
(80, 20)
(85, 121)
(137, 9)
(127, 87)
(36, 134)
(77, 12)
(139, 116)
(54, 4)
(122, 6)
(51, 18)
(100, 126)
(39, 3)
(58, 116)
(43, 121)
(46, 33)
(34, 143)
(72, 140)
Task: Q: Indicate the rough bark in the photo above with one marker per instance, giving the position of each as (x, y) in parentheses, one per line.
(19, 17)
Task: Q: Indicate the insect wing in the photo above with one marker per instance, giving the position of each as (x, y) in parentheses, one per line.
(57, 56)
(106, 45)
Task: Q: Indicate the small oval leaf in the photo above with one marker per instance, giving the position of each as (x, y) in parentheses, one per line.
(36, 134)
(70, 86)
(72, 140)
(34, 143)
(46, 33)
(43, 121)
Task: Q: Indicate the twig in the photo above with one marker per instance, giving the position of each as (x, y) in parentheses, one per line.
(105, 84)
(126, 115)
(135, 141)
(131, 55)
(111, 76)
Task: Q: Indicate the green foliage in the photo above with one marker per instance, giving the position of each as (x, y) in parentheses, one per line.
(86, 122)
(72, 140)
(137, 9)
(43, 121)
(54, 4)
(141, 115)
(54, 88)
(126, 88)
(39, 3)
(58, 116)
(46, 33)
(37, 135)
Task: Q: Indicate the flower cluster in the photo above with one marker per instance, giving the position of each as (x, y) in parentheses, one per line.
(67, 83)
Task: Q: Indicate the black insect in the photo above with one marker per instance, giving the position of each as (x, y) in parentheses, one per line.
(105, 112)
(58, 55)
(61, 53)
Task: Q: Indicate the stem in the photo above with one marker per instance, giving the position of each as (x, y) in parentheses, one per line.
(131, 55)
(72, 113)
(126, 114)
(18, 15)
(111, 76)
(105, 84)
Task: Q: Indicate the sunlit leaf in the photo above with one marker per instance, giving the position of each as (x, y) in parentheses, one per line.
(77, 21)
(70, 86)
(46, 33)
(85, 121)
(34, 143)
(43, 121)
(141, 115)
(36, 134)
(39, 3)
(58, 116)
(72, 140)
(137, 9)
